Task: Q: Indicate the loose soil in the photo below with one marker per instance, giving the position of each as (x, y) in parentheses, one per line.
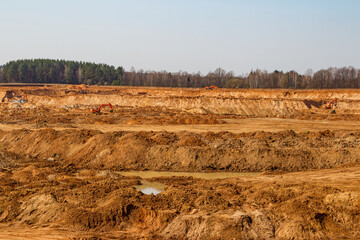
(60, 165)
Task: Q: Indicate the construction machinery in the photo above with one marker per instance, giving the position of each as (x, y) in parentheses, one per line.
(14, 97)
(98, 110)
(22, 99)
(211, 88)
(76, 89)
(331, 104)
(82, 91)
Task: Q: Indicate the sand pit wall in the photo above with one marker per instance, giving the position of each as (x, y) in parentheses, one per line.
(252, 103)
(184, 151)
(204, 105)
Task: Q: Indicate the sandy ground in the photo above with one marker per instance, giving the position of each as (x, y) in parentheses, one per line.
(230, 125)
(61, 165)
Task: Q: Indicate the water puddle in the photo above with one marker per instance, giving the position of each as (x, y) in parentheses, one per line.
(155, 188)
(148, 187)
(216, 175)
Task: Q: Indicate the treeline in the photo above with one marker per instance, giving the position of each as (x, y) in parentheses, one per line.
(346, 77)
(72, 72)
(59, 71)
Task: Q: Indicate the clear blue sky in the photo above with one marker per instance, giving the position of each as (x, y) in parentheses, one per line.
(188, 35)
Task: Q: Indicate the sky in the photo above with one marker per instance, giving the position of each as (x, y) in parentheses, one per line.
(187, 35)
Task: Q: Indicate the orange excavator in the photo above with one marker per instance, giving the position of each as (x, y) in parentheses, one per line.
(98, 110)
(211, 88)
(331, 104)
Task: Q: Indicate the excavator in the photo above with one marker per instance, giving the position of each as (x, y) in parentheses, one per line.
(98, 110)
(211, 88)
(331, 104)
(82, 91)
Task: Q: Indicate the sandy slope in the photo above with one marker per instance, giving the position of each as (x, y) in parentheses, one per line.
(59, 163)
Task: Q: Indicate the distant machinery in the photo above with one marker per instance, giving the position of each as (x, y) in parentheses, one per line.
(98, 110)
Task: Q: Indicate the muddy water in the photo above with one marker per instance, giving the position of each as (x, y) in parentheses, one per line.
(216, 175)
(148, 187)
(155, 188)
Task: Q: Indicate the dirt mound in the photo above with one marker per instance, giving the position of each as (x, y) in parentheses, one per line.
(186, 151)
(41, 210)
(220, 225)
(94, 204)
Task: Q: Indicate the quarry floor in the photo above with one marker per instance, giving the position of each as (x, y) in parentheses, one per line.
(60, 163)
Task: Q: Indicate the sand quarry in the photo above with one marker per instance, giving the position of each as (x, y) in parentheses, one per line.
(62, 168)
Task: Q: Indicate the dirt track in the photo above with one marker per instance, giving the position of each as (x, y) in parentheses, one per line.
(59, 163)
